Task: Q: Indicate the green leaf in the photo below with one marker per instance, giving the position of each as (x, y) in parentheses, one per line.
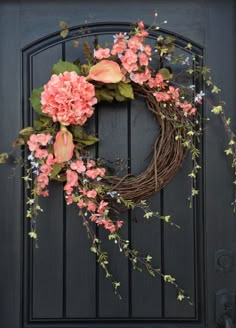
(35, 100)
(81, 136)
(104, 95)
(63, 66)
(3, 158)
(26, 131)
(56, 170)
(42, 122)
(165, 73)
(126, 90)
(217, 110)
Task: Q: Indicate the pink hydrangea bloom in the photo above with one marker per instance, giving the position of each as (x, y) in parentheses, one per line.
(102, 53)
(68, 98)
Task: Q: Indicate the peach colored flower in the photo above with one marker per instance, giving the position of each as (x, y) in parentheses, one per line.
(42, 180)
(148, 50)
(91, 206)
(41, 153)
(78, 166)
(81, 204)
(68, 98)
(92, 194)
(143, 59)
(102, 53)
(174, 92)
(90, 164)
(158, 81)
(63, 145)
(135, 44)
(106, 71)
(102, 207)
(119, 46)
(129, 61)
(140, 78)
(161, 96)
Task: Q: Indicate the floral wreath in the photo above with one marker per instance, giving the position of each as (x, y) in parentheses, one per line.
(58, 143)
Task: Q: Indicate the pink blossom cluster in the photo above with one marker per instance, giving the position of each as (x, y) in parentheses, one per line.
(45, 170)
(134, 55)
(68, 98)
(172, 95)
(88, 198)
(36, 142)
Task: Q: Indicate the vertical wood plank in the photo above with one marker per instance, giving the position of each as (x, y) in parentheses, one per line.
(80, 261)
(47, 275)
(10, 188)
(145, 235)
(113, 145)
(179, 252)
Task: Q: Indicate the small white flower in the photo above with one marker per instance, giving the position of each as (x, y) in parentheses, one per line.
(192, 87)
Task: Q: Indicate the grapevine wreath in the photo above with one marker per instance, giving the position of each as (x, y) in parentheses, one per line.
(57, 145)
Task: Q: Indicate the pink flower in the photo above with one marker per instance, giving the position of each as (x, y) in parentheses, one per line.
(41, 153)
(143, 59)
(148, 50)
(141, 25)
(140, 78)
(94, 173)
(63, 145)
(90, 164)
(106, 71)
(129, 61)
(158, 81)
(72, 181)
(91, 206)
(43, 139)
(102, 53)
(92, 193)
(161, 96)
(50, 160)
(81, 204)
(119, 47)
(42, 180)
(69, 199)
(78, 166)
(174, 92)
(44, 168)
(72, 178)
(102, 207)
(119, 224)
(68, 98)
(187, 108)
(135, 44)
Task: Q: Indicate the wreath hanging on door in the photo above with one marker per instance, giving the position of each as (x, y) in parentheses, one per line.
(58, 144)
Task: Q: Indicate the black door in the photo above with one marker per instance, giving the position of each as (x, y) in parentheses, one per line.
(59, 283)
